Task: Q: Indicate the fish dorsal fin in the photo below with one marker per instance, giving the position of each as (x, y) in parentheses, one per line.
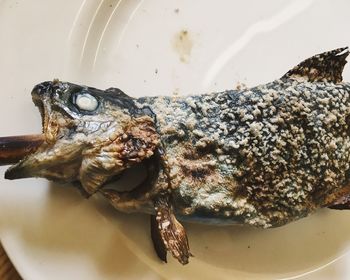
(323, 67)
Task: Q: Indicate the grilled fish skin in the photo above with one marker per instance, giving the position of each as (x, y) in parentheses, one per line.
(263, 156)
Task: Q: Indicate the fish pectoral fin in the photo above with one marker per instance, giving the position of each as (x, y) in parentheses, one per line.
(326, 67)
(168, 234)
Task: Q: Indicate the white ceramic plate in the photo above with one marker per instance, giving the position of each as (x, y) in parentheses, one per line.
(147, 48)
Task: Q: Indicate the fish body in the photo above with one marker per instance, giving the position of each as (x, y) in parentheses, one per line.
(263, 156)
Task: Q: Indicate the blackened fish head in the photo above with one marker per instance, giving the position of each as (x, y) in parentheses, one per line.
(91, 135)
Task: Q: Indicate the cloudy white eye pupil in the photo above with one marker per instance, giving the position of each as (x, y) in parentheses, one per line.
(86, 102)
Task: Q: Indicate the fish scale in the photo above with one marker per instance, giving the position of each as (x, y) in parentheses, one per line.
(283, 161)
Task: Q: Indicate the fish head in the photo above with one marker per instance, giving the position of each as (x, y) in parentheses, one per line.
(90, 135)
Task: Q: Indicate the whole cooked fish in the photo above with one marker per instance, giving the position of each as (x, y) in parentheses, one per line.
(263, 156)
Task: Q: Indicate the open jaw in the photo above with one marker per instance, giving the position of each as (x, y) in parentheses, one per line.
(42, 155)
(63, 153)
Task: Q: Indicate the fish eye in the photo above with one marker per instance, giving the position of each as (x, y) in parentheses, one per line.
(86, 102)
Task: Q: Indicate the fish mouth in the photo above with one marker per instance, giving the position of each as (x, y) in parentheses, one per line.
(13, 149)
(20, 151)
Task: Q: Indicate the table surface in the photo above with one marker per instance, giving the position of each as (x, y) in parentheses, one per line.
(7, 270)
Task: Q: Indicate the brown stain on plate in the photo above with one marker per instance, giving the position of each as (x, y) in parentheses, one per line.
(183, 44)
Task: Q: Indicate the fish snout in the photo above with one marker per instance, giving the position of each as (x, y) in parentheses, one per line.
(42, 88)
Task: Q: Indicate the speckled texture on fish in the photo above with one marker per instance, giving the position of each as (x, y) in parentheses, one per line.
(263, 156)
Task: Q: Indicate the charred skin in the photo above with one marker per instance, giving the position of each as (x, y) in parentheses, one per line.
(263, 156)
